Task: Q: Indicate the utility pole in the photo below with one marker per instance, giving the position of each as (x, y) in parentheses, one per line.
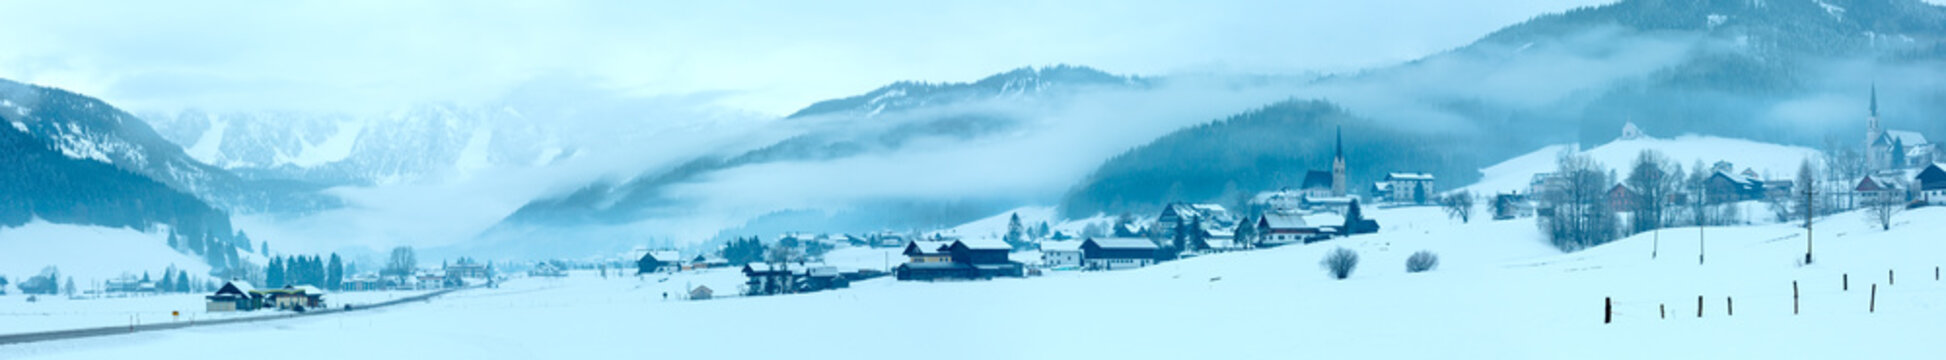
(1810, 210)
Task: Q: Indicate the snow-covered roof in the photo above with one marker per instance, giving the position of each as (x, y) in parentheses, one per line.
(243, 286)
(1209, 208)
(985, 244)
(1124, 243)
(1284, 221)
(310, 290)
(666, 255)
(1408, 176)
(822, 271)
(1329, 199)
(1908, 138)
(1325, 219)
(929, 247)
(1060, 246)
(1383, 186)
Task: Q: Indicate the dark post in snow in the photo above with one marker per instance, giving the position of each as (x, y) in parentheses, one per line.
(1729, 306)
(1608, 310)
(1699, 306)
(1873, 306)
(1888, 277)
(1793, 298)
(1810, 210)
(1664, 309)
(1846, 285)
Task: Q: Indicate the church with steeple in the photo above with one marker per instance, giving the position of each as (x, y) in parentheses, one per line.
(1887, 149)
(1322, 184)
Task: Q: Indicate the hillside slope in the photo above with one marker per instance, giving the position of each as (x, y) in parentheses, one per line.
(1499, 293)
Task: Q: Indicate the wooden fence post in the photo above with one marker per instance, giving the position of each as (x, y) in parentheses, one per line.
(1608, 310)
(1663, 309)
(1847, 282)
(1729, 306)
(1793, 298)
(1888, 278)
(1873, 307)
(1699, 306)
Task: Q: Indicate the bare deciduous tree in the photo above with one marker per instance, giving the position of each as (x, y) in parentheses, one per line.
(403, 262)
(1579, 215)
(1421, 261)
(1339, 263)
(1458, 204)
(1880, 206)
(1652, 181)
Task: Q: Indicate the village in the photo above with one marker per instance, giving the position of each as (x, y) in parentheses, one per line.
(1894, 170)
(1899, 168)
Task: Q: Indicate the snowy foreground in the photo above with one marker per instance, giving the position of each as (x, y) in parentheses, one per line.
(61, 313)
(1498, 293)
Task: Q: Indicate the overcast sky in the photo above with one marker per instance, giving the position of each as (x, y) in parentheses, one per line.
(769, 57)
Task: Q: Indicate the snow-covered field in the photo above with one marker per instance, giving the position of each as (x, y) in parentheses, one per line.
(17, 315)
(83, 252)
(1498, 293)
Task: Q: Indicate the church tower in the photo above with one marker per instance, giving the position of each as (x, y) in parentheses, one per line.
(1338, 166)
(1872, 130)
(1875, 156)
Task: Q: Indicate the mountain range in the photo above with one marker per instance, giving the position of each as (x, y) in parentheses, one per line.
(1793, 72)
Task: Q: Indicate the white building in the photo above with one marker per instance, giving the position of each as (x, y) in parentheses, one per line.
(1061, 254)
(1887, 149)
(1409, 188)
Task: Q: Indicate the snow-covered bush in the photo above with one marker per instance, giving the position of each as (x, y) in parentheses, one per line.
(1421, 261)
(1339, 263)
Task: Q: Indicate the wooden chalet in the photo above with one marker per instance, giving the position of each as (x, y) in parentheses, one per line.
(293, 297)
(235, 296)
(1724, 187)
(1284, 228)
(654, 261)
(1931, 184)
(967, 259)
(1118, 253)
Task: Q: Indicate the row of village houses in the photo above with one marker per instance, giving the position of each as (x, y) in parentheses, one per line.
(239, 295)
(1919, 186)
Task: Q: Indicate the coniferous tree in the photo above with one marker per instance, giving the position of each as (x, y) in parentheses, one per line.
(335, 273)
(182, 281)
(1016, 233)
(1246, 233)
(168, 283)
(70, 287)
(274, 272)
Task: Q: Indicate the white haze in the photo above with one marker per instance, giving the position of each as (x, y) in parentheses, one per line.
(767, 56)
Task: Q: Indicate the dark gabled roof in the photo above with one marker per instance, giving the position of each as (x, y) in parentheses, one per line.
(982, 244)
(1317, 179)
(1933, 177)
(943, 265)
(1120, 244)
(920, 248)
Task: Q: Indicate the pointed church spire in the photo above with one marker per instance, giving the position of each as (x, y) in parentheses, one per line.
(1341, 142)
(1874, 99)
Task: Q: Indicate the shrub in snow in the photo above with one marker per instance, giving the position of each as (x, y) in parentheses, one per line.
(1421, 261)
(1339, 263)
